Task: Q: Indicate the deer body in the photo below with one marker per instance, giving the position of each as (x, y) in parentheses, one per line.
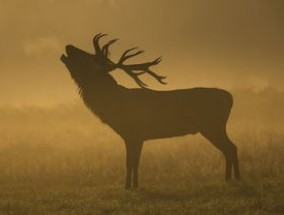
(149, 114)
(143, 114)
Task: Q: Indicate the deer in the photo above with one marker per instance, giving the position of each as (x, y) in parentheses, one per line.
(141, 114)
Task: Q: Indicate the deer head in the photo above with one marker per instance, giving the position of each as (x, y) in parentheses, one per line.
(85, 67)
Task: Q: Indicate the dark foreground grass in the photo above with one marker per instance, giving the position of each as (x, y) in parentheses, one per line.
(264, 197)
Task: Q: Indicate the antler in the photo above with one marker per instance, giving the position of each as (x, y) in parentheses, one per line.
(133, 70)
(143, 67)
(105, 50)
(96, 43)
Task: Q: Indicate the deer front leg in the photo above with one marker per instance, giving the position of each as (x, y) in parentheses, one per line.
(133, 152)
(129, 165)
(136, 158)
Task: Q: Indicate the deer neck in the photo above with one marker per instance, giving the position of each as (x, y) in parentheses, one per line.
(99, 96)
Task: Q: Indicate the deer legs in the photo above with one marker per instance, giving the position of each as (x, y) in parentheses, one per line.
(227, 147)
(234, 155)
(133, 152)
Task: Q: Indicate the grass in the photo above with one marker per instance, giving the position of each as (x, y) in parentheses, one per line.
(64, 161)
(195, 198)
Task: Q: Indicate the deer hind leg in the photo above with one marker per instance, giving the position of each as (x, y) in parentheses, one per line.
(133, 152)
(221, 141)
(233, 153)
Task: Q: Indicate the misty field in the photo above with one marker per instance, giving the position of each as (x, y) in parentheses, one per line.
(62, 160)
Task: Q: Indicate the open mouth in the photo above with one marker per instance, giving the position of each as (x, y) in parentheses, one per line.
(64, 58)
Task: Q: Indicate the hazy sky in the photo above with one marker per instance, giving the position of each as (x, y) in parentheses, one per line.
(216, 43)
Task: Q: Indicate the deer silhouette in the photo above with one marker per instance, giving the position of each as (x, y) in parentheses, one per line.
(142, 114)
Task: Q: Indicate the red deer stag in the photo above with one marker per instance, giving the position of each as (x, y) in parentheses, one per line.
(143, 114)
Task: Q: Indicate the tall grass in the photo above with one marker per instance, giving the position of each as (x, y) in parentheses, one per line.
(67, 145)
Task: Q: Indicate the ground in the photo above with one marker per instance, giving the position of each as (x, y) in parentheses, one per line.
(264, 197)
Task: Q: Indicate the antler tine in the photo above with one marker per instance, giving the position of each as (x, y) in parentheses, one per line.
(96, 43)
(127, 51)
(134, 70)
(144, 66)
(159, 78)
(106, 47)
(132, 55)
(156, 61)
(124, 56)
(135, 77)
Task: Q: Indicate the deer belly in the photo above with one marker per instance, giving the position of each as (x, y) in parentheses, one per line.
(169, 129)
(150, 126)
(159, 129)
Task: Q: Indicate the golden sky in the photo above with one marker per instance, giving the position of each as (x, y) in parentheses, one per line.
(216, 43)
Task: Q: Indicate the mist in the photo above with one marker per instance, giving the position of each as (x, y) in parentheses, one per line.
(225, 44)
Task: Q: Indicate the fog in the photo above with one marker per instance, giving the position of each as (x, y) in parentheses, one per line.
(234, 45)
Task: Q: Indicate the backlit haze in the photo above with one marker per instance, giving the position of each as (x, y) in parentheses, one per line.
(235, 45)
